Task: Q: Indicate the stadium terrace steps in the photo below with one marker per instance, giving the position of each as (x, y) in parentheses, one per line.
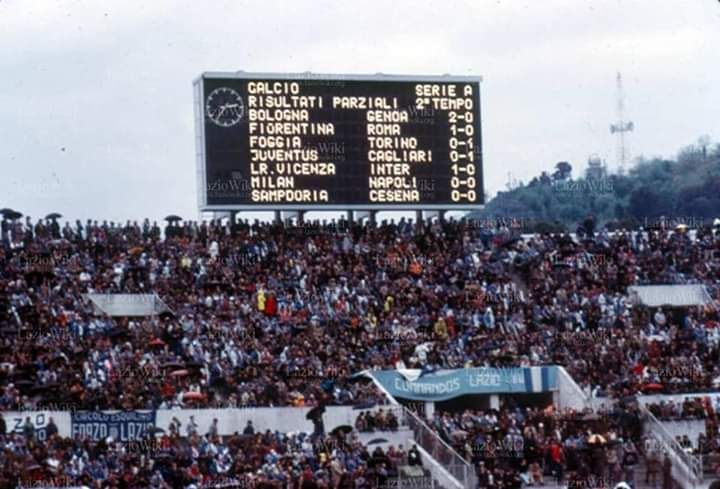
(639, 482)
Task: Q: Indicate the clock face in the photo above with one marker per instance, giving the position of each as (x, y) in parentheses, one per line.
(225, 107)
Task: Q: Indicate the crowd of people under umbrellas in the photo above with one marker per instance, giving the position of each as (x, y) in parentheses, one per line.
(272, 315)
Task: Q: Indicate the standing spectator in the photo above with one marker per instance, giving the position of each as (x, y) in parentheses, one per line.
(214, 428)
(414, 457)
(52, 428)
(611, 459)
(652, 461)
(667, 473)
(28, 429)
(556, 460)
(630, 460)
(192, 426)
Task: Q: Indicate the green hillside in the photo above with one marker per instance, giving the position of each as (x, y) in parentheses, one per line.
(686, 189)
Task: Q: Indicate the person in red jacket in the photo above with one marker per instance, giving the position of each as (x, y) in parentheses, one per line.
(556, 460)
(271, 305)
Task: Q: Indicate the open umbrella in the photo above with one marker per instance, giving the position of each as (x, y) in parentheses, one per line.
(316, 413)
(364, 405)
(376, 441)
(175, 365)
(115, 332)
(595, 438)
(343, 429)
(156, 342)
(510, 241)
(173, 218)
(53, 216)
(193, 396)
(653, 387)
(166, 315)
(154, 429)
(12, 215)
(459, 434)
(179, 373)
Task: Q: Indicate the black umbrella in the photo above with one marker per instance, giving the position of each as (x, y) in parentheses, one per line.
(173, 218)
(115, 332)
(53, 216)
(12, 215)
(6, 210)
(175, 365)
(167, 315)
(510, 241)
(154, 429)
(364, 405)
(43, 388)
(375, 441)
(343, 429)
(316, 413)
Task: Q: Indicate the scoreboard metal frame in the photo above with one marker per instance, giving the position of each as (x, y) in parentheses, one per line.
(201, 160)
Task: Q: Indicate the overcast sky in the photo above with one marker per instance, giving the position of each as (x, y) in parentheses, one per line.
(96, 107)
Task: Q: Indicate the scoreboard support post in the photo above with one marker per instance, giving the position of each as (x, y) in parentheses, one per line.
(370, 215)
(289, 215)
(427, 216)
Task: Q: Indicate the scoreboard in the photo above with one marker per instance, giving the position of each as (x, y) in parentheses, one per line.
(337, 142)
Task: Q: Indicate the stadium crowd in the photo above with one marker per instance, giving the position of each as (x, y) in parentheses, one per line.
(269, 460)
(265, 315)
(546, 446)
(273, 315)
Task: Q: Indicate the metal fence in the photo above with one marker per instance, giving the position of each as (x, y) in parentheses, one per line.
(691, 466)
(443, 453)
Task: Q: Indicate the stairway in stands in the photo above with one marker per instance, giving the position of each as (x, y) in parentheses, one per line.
(640, 472)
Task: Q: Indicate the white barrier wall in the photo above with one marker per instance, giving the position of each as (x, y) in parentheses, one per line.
(230, 420)
(691, 428)
(679, 398)
(15, 420)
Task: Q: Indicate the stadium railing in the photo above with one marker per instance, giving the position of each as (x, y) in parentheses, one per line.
(689, 467)
(462, 471)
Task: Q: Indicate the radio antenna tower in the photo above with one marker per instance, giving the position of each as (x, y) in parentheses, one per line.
(620, 127)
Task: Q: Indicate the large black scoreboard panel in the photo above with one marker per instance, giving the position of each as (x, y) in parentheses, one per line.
(282, 141)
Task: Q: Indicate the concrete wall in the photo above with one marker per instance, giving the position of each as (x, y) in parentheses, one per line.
(230, 420)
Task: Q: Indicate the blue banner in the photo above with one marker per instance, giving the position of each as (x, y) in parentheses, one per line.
(120, 425)
(453, 383)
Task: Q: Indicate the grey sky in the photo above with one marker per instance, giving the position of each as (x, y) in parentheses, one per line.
(97, 115)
